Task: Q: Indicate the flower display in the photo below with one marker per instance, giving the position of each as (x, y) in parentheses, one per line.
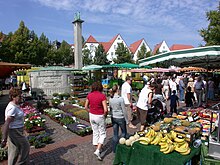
(34, 122)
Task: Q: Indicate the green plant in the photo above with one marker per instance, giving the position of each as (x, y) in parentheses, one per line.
(56, 102)
(82, 114)
(67, 120)
(55, 94)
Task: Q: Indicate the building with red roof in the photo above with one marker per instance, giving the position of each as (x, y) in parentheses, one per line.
(180, 47)
(136, 46)
(161, 48)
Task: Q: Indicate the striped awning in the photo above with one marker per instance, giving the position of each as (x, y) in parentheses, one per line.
(208, 57)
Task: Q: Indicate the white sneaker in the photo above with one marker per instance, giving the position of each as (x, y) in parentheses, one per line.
(97, 153)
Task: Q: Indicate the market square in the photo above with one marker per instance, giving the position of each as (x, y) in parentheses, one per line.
(76, 100)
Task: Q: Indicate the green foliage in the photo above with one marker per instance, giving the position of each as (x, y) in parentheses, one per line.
(40, 140)
(100, 56)
(66, 120)
(142, 52)
(82, 114)
(211, 35)
(24, 46)
(87, 59)
(55, 94)
(123, 54)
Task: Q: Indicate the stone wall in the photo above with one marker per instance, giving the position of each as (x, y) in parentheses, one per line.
(54, 81)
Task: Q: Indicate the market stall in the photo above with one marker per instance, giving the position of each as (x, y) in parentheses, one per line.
(174, 140)
(140, 154)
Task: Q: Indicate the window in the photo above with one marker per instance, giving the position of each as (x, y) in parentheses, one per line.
(119, 38)
(115, 46)
(92, 48)
(112, 53)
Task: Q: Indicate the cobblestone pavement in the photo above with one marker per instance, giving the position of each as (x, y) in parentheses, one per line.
(67, 147)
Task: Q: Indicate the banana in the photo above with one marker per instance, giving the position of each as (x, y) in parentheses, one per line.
(144, 142)
(156, 140)
(165, 148)
(181, 150)
(184, 145)
(171, 148)
(162, 144)
(148, 133)
(144, 139)
(179, 140)
(173, 134)
(187, 152)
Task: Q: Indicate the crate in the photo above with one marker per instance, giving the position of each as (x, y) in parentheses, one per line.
(205, 159)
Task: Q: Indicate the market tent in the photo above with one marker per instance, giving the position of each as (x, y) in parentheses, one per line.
(7, 68)
(127, 65)
(92, 67)
(192, 69)
(153, 70)
(208, 57)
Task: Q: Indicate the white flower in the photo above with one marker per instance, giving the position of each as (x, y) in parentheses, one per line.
(64, 126)
(38, 125)
(26, 120)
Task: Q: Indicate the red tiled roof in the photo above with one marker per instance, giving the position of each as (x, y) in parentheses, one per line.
(133, 47)
(106, 45)
(113, 39)
(91, 39)
(179, 47)
(156, 48)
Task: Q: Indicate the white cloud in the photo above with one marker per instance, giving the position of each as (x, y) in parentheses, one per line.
(139, 16)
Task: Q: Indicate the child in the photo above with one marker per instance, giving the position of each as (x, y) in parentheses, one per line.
(189, 97)
(174, 102)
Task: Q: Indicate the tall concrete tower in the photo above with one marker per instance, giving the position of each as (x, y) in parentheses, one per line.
(77, 23)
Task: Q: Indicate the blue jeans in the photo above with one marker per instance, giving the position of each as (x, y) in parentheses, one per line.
(181, 90)
(118, 122)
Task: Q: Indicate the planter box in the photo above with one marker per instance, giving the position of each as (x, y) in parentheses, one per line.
(80, 129)
(35, 129)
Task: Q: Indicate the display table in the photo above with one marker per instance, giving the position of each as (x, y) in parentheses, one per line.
(150, 155)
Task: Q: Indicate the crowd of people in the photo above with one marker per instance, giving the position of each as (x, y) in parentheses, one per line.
(191, 90)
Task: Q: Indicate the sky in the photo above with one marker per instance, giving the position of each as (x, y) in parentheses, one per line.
(175, 21)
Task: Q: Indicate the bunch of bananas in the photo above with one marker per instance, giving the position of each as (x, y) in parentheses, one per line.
(182, 147)
(144, 140)
(157, 138)
(166, 145)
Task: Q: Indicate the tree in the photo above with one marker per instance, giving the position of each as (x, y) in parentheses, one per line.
(123, 54)
(19, 44)
(100, 56)
(6, 53)
(64, 52)
(211, 35)
(87, 59)
(141, 53)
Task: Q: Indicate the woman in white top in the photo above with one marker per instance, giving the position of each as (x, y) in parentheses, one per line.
(18, 145)
(144, 101)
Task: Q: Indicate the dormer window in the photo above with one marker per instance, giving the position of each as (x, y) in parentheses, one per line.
(119, 38)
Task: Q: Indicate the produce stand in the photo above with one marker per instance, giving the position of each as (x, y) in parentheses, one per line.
(140, 154)
(170, 141)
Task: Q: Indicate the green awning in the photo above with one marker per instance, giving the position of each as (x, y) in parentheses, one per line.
(208, 57)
